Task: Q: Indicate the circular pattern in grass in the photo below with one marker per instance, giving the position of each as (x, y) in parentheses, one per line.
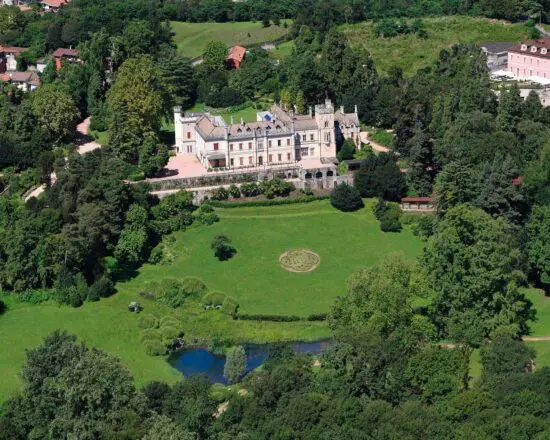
(299, 260)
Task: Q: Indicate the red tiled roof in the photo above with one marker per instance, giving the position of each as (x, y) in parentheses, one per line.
(537, 44)
(416, 200)
(517, 181)
(236, 53)
(24, 8)
(54, 3)
(62, 52)
(15, 50)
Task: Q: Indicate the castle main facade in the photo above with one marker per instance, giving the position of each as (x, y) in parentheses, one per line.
(277, 137)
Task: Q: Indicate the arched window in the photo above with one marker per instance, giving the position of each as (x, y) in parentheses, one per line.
(326, 124)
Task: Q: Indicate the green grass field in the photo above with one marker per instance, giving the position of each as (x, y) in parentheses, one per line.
(411, 52)
(191, 38)
(345, 242)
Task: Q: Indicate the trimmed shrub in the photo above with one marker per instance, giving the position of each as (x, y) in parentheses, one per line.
(230, 306)
(155, 348)
(234, 191)
(269, 202)
(273, 318)
(379, 208)
(213, 299)
(317, 317)
(148, 321)
(193, 286)
(150, 334)
(169, 321)
(346, 198)
(250, 189)
(424, 226)
(168, 334)
(219, 194)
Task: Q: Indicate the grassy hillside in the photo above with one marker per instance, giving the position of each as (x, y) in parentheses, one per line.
(191, 38)
(411, 52)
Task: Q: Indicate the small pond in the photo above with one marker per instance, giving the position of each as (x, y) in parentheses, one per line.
(193, 361)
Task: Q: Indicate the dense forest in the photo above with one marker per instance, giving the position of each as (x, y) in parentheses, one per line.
(485, 159)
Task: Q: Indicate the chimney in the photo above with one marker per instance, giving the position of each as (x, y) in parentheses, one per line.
(356, 109)
(242, 121)
(310, 111)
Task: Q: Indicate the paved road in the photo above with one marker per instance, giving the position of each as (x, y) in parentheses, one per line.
(85, 143)
(364, 136)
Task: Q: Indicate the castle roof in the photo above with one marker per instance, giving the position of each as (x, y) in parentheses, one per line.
(537, 48)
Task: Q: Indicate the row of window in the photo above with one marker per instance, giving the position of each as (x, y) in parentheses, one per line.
(530, 73)
(525, 59)
(260, 145)
(260, 159)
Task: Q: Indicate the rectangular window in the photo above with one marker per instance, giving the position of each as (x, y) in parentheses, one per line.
(241, 161)
(278, 142)
(231, 162)
(249, 160)
(312, 151)
(288, 156)
(280, 157)
(260, 145)
(288, 142)
(270, 159)
(240, 146)
(230, 147)
(311, 137)
(250, 145)
(188, 135)
(269, 144)
(216, 146)
(304, 152)
(304, 137)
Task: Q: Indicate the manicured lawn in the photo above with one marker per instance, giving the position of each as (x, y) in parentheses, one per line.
(411, 52)
(191, 38)
(345, 242)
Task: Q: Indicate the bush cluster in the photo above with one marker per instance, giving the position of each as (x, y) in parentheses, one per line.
(206, 215)
(213, 299)
(388, 214)
(174, 292)
(35, 296)
(270, 202)
(161, 335)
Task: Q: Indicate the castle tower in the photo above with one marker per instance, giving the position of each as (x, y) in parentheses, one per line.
(324, 116)
(185, 133)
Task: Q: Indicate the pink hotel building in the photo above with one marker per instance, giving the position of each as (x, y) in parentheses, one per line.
(530, 59)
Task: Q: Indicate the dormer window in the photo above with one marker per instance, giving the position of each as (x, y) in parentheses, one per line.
(524, 47)
(533, 49)
(248, 129)
(239, 130)
(543, 51)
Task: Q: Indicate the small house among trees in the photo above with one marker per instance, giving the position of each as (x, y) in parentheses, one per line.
(417, 204)
(235, 56)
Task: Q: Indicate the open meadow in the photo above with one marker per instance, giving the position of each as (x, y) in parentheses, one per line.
(254, 277)
(191, 38)
(411, 52)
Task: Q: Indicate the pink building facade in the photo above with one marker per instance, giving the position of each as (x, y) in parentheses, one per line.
(530, 59)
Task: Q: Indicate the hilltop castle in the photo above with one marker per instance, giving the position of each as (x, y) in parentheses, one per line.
(276, 137)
